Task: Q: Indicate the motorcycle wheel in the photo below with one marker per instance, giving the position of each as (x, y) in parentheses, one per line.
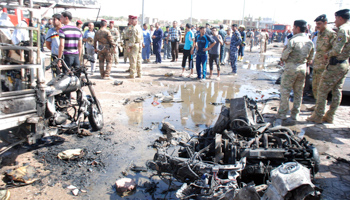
(95, 116)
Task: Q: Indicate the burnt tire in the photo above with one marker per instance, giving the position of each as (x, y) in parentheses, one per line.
(95, 116)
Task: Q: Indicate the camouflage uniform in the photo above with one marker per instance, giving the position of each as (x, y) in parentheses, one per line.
(299, 50)
(106, 46)
(323, 45)
(134, 38)
(334, 76)
(126, 53)
(116, 38)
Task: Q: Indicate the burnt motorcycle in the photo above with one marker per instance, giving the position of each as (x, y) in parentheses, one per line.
(63, 106)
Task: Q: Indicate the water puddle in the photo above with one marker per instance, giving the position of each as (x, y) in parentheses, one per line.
(259, 62)
(197, 106)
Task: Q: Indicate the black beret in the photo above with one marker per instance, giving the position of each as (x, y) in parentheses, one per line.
(345, 13)
(234, 25)
(207, 24)
(221, 26)
(322, 18)
(167, 27)
(300, 23)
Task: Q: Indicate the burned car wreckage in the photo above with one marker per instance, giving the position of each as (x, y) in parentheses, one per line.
(241, 157)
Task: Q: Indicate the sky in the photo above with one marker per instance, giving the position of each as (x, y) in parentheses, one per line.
(282, 11)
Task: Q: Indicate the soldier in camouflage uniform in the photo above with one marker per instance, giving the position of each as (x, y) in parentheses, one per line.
(126, 55)
(134, 38)
(116, 37)
(299, 50)
(105, 49)
(324, 42)
(334, 76)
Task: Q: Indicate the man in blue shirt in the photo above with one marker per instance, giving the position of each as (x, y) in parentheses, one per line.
(53, 41)
(189, 40)
(147, 40)
(236, 40)
(90, 33)
(201, 44)
(157, 43)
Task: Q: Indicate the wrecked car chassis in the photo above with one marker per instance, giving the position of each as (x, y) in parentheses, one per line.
(240, 149)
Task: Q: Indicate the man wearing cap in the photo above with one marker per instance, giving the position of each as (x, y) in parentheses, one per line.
(166, 44)
(236, 40)
(242, 45)
(79, 24)
(335, 73)
(134, 45)
(116, 37)
(105, 48)
(222, 33)
(325, 38)
(299, 51)
(88, 38)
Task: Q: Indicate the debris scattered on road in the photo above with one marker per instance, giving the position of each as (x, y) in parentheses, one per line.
(75, 192)
(241, 148)
(216, 104)
(125, 185)
(116, 82)
(169, 74)
(155, 103)
(166, 99)
(70, 154)
(127, 101)
(138, 168)
(26, 174)
(139, 99)
(85, 132)
(71, 187)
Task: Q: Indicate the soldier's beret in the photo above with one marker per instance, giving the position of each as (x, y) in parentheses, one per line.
(79, 22)
(322, 18)
(300, 23)
(345, 13)
(111, 22)
(132, 17)
(234, 25)
(103, 20)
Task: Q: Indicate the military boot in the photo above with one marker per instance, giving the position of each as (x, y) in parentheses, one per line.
(328, 118)
(311, 108)
(315, 118)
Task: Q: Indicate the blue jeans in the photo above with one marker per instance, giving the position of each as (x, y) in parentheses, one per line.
(71, 60)
(241, 50)
(167, 50)
(201, 60)
(222, 56)
(146, 51)
(233, 60)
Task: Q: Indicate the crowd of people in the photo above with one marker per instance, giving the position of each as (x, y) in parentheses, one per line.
(218, 46)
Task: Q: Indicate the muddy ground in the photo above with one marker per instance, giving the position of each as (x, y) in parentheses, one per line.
(130, 129)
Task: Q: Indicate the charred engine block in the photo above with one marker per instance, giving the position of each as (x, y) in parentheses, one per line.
(240, 148)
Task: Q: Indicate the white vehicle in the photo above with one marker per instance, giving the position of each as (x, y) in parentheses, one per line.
(346, 87)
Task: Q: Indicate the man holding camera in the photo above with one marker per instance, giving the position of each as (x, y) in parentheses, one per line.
(335, 73)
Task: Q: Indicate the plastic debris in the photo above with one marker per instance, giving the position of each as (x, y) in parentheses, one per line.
(70, 154)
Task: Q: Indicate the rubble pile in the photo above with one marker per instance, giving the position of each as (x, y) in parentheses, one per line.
(241, 157)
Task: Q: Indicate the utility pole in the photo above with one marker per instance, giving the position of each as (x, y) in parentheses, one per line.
(243, 12)
(191, 13)
(143, 9)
